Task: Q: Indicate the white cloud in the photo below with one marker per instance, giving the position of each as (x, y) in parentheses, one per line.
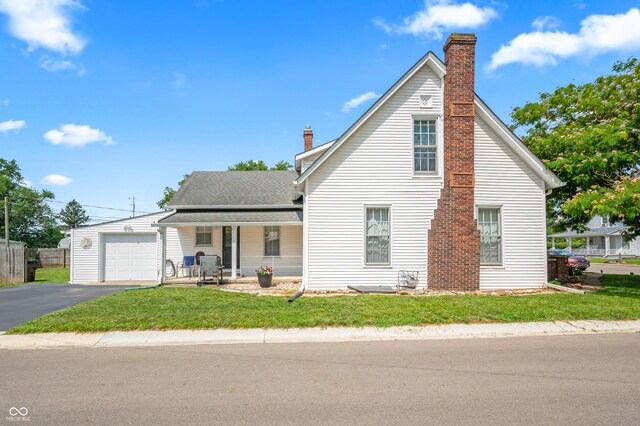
(359, 100)
(56, 180)
(439, 16)
(598, 34)
(44, 24)
(27, 183)
(5, 102)
(54, 65)
(542, 23)
(75, 135)
(7, 126)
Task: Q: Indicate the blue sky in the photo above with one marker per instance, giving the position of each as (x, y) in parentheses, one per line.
(104, 100)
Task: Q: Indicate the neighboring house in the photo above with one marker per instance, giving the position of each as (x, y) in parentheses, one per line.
(602, 238)
(428, 179)
(12, 243)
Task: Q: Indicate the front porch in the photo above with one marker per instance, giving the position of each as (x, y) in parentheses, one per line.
(244, 241)
(245, 284)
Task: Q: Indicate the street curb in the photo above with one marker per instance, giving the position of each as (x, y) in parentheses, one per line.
(117, 339)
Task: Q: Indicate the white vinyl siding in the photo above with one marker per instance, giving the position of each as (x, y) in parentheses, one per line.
(377, 236)
(490, 236)
(424, 146)
(287, 264)
(87, 265)
(374, 167)
(204, 236)
(272, 241)
(503, 179)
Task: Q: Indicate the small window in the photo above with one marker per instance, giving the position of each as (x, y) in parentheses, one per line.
(203, 236)
(424, 146)
(606, 222)
(272, 241)
(378, 236)
(490, 236)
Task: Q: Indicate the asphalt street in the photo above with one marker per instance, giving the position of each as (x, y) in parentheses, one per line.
(24, 303)
(536, 380)
(612, 268)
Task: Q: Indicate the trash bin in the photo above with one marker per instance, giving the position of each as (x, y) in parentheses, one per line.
(32, 265)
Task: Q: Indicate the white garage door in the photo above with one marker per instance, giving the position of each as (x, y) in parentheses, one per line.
(129, 257)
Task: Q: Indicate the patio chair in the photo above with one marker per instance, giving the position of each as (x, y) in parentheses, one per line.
(210, 265)
(407, 280)
(188, 262)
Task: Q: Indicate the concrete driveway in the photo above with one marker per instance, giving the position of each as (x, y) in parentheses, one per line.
(24, 303)
(612, 268)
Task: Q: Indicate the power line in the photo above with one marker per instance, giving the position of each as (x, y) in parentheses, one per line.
(82, 205)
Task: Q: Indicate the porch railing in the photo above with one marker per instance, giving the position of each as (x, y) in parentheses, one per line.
(591, 251)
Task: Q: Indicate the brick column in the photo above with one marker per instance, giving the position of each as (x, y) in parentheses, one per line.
(454, 239)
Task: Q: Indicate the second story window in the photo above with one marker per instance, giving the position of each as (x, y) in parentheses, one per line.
(424, 146)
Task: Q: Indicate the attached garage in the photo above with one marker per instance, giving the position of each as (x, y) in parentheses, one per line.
(122, 250)
(129, 257)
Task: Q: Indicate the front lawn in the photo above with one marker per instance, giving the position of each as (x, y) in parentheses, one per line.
(47, 276)
(633, 261)
(168, 308)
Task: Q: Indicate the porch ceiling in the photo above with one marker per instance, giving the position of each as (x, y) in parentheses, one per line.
(199, 218)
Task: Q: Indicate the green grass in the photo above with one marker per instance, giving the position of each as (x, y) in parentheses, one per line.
(634, 261)
(169, 308)
(47, 276)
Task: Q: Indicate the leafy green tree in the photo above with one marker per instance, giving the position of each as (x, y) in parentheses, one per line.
(168, 193)
(73, 215)
(589, 135)
(259, 165)
(31, 220)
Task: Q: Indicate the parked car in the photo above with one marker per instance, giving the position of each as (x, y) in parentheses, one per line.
(575, 261)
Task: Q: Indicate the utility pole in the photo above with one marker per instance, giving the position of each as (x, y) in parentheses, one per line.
(6, 220)
(133, 204)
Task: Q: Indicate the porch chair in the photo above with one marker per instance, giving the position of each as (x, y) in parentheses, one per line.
(210, 265)
(188, 262)
(407, 280)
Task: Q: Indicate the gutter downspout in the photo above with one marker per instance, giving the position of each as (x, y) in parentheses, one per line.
(303, 286)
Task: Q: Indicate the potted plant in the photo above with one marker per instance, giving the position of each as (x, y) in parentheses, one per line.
(265, 274)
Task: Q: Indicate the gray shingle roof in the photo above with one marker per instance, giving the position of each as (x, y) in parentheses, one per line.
(234, 217)
(593, 232)
(259, 188)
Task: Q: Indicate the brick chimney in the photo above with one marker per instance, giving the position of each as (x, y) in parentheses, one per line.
(308, 137)
(454, 239)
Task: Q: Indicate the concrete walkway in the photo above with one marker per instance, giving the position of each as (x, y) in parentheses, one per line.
(297, 335)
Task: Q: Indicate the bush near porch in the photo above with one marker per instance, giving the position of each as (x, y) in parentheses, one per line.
(168, 308)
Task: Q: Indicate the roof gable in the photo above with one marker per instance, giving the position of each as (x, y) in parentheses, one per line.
(233, 189)
(501, 129)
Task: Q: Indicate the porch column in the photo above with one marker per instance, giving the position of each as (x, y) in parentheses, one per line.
(163, 255)
(553, 242)
(586, 243)
(569, 243)
(234, 252)
(607, 245)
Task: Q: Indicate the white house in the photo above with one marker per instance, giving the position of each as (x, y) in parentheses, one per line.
(428, 179)
(601, 238)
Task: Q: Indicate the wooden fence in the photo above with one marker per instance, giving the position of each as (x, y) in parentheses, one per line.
(13, 265)
(50, 257)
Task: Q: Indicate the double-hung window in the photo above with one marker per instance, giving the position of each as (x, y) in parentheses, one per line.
(378, 236)
(489, 223)
(272, 241)
(203, 236)
(424, 146)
